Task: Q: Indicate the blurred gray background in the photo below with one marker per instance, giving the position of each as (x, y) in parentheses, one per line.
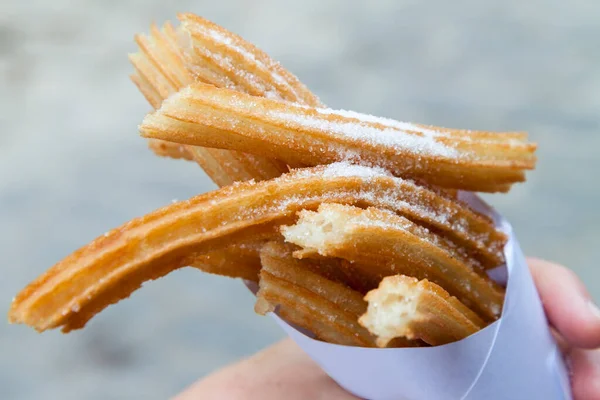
(72, 165)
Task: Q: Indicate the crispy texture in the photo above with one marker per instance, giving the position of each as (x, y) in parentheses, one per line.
(221, 58)
(478, 161)
(405, 307)
(170, 59)
(161, 70)
(201, 51)
(381, 243)
(114, 265)
(240, 260)
(248, 68)
(334, 269)
(155, 66)
(307, 299)
(383, 221)
(328, 268)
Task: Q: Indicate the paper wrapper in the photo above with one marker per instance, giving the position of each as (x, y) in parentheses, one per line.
(514, 358)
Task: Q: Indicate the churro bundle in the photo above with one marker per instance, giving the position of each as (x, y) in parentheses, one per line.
(355, 231)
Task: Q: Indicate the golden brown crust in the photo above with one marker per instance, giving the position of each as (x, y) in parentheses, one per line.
(328, 268)
(251, 69)
(307, 299)
(156, 65)
(170, 235)
(380, 244)
(161, 71)
(312, 136)
(166, 63)
(239, 260)
(247, 121)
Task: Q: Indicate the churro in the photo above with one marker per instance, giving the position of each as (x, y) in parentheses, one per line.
(356, 228)
(168, 60)
(223, 59)
(405, 307)
(328, 309)
(476, 161)
(381, 243)
(116, 264)
(160, 71)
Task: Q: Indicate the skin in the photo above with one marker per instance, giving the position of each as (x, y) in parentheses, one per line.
(283, 371)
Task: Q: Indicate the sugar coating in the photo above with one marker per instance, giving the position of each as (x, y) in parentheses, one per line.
(405, 126)
(402, 196)
(227, 41)
(344, 169)
(419, 143)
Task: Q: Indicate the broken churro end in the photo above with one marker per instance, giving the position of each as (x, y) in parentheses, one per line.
(391, 309)
(405, 307)
(316, 232)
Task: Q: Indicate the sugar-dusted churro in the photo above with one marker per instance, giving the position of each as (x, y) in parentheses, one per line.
(405, 307)
(467, 235)
(155, 66)
(248, 68)
(114, 265)
(200, 51)
(307, 299)
(161, 70)
(477, 161)
(358, 229)
(381, 243)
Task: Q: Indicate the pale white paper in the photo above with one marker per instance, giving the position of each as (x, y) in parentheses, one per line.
(514, 358)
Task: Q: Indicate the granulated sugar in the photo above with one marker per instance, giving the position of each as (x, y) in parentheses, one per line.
(364, 133)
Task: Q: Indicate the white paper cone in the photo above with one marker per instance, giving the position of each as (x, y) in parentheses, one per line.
(514, 358)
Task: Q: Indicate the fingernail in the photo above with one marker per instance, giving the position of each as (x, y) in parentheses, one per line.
(594, 308)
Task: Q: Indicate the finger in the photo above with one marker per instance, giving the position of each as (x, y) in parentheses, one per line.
(567, 303)
(585, 374)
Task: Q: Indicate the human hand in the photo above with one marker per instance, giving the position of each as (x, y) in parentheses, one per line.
(284, 371)
(575, 320)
